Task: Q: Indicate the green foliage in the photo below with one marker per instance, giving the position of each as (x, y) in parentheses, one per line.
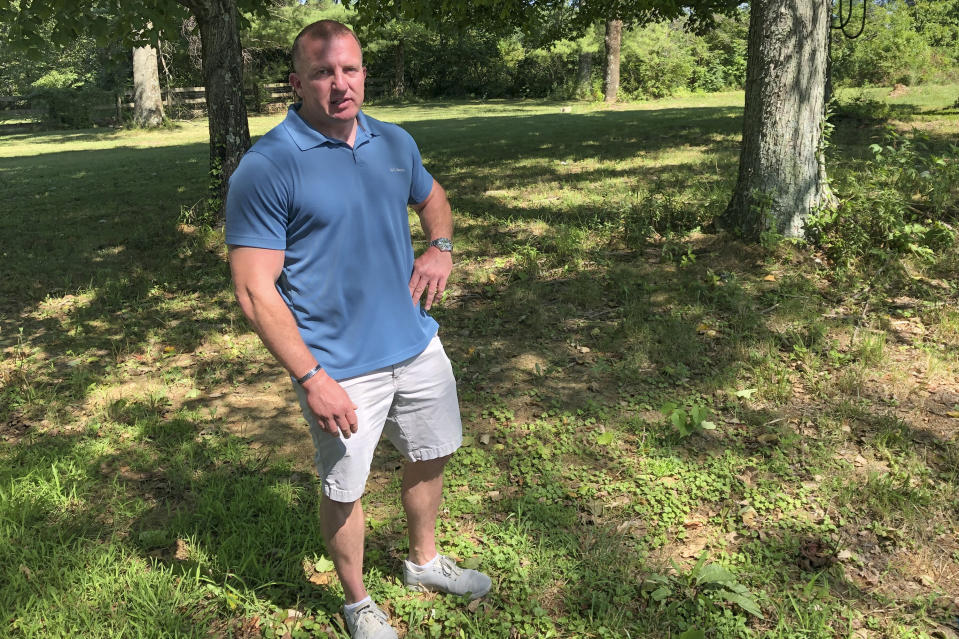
(663, 58)
(902, 200)
(724, 64)
(687, 420)
(703, 589)
(206, 213)
(663, 214)
(865, 109)
(889, 51)
(657, 59)
(938, 22)
(75, 108)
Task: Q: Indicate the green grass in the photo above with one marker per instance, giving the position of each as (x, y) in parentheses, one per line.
(926, 97)
(155, 477)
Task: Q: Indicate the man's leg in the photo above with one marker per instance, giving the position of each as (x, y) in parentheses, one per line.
(425, 412)
(426, 569)
(343, 529)
(422, 493)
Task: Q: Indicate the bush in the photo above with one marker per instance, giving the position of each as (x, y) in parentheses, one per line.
(904, 200)
(724, 64)
(864, 109)
(72, 108)
(657, 60)
(664, 58)
(890, 50)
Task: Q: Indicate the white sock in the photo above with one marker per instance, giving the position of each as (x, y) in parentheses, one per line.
(426, 565)
(353, 606)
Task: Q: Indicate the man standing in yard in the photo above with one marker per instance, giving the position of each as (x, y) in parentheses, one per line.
(323, 267)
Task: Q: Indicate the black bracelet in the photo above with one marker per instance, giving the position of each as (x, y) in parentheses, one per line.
(313, 371)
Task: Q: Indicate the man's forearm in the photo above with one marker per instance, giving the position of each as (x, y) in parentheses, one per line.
(274, 323)
(436, 216)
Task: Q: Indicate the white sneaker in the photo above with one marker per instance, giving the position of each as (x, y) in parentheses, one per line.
(369, 622)
(443, 575)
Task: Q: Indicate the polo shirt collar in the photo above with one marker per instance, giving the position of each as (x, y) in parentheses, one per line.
(306, 137)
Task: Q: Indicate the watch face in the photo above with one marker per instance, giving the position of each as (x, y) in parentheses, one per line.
(442, 244)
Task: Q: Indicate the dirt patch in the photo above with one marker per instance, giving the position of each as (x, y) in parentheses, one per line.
(13, 429)
(899, 90)
(269, 419)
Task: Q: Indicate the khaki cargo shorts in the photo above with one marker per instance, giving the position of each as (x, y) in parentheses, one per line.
(413, 403)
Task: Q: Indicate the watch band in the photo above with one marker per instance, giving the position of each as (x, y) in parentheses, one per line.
(443, 244)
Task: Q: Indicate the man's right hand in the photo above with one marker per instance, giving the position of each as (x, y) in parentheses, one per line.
(335, 411)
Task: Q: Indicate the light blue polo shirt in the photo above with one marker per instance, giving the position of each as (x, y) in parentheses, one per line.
(340, 214)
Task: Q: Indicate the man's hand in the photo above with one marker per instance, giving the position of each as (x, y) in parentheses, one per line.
(335, 411)
(430, 272)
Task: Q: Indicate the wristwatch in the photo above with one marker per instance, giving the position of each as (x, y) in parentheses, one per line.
(443, 244)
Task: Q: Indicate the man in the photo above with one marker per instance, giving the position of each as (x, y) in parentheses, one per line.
(323, 267)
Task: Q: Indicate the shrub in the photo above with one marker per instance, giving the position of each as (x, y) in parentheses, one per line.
(72, 107)
(890, 50)
(657, 60)
(904, 200)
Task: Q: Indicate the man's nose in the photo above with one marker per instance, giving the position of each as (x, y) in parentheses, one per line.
(339, 79)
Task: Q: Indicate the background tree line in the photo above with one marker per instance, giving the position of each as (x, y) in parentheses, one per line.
(903, 42)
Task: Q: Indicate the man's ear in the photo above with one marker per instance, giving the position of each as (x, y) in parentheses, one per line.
(295, 83)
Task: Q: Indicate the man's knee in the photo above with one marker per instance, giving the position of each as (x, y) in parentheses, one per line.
(335, 513)
(427, 465)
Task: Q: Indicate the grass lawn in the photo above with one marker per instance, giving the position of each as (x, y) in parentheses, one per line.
(666, 430)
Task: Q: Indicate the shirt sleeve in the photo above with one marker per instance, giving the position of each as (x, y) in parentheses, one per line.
(422, 182)
(257, 204)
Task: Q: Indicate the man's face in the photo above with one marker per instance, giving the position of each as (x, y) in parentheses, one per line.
(329, 76)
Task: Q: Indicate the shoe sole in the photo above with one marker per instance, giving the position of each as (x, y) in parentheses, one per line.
(422, 588)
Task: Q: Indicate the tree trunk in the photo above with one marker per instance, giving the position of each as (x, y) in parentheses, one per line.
(584, 85)
(614, 40)
(827, 91)
(147, 98)
(399, 69)
(223, 79)
(782, 176)
(169, 79)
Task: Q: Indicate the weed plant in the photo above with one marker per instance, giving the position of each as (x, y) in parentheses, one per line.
(902, 201)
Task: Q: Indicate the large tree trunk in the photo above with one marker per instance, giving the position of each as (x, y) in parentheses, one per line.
(147, 98)
(614, 40)
(223, 79)
(584, 85)
(782, 177)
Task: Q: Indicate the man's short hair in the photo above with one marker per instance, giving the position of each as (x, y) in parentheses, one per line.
(322, 30)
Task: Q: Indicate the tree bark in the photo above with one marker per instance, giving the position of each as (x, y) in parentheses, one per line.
(614, 40)
(147, 98)
(782, 177)
(584, 86)
(223, 80)
(399, 69)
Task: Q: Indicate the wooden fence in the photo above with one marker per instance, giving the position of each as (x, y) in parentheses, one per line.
(17, 112)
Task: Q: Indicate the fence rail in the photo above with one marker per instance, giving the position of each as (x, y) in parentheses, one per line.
(21, 112)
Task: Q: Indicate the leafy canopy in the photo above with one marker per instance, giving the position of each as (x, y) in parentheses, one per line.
(33, 25)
